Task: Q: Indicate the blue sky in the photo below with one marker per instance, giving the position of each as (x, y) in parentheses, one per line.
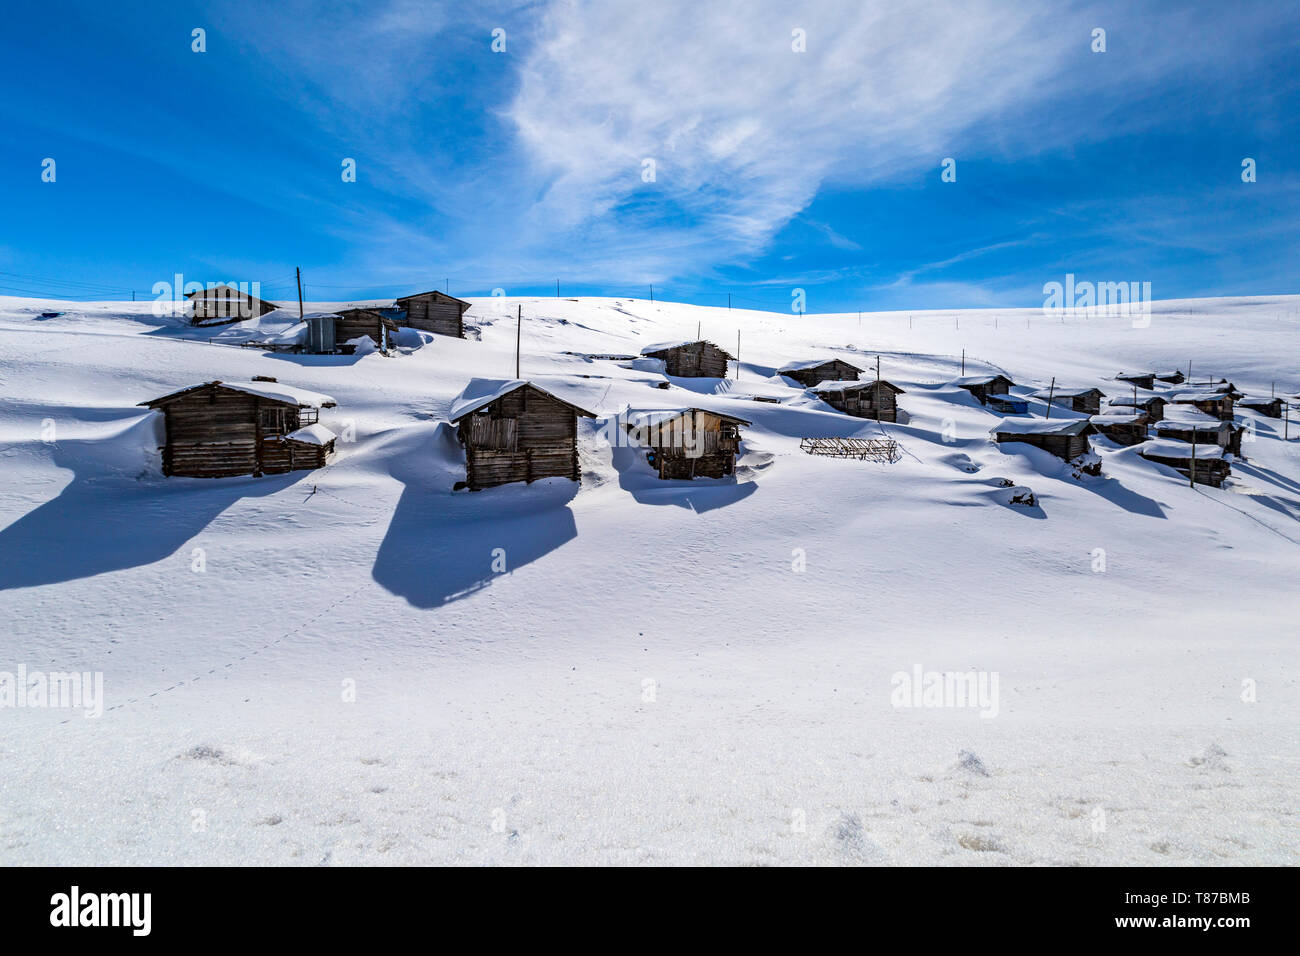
(774, 169)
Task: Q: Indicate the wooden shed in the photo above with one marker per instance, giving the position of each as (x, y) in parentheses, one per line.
(1086, 400)
(982, 386)
(1145, 380)
(817, 371)
(1210, 468)
(354, 323)
(223, 304)
(1272, 407)
(1218, 404)
(1184, 423)
(515, 431)
(435, 312)
(699, 359)
(1122, 429)
(871, 399)
(1173, 377)
(1153, 406)
(686, 442)
(1066, 440)
(220, 429)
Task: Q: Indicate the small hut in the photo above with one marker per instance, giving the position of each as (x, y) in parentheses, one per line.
(1066, 439)
(220, 429)
(515, 431)
(1153, 406)
(1086, 400)
(1184, 423)
(817, 371)
(1218, 404)
(686, 442)
(871, 399)
(1007, 404)
(1173, 377)
(983, 387)
(1206, 460)
(223, 304)
(354, 323)
(435, 312)
(699, 359)
(1145, 380)
(1120, 428)
(1272, 407)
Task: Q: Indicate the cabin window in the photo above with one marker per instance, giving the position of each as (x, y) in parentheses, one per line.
(274, 421)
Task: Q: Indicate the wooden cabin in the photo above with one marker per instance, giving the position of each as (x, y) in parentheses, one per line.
(1206, 460)
(1085, 400)
(1146, 380)
(1066, 439)
(1153, 406)
(871, 399)
(354, 323)
(700, 359)
(817, 371)
(1120, 428)
(1184, 423)
(1008, 404)
(435, 312)
(687, 443)
(223, 304)
(1272, 407)
(221, 429)
(1218, 404)
(1174, 377)
(984, 386)
(515, 431)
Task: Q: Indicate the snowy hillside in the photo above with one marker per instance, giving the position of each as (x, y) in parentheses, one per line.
(666, 671)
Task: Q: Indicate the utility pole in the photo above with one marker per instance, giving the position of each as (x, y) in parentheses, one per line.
(697, 331)
(298, 273)
(728, 301)
(1286, 421)
(1051, 389)
(963, 362)
(1193, 468)
(519, 326)
(737, 355)
(557, 288)
(652, 291)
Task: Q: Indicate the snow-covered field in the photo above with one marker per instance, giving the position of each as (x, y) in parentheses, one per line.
(669, 672)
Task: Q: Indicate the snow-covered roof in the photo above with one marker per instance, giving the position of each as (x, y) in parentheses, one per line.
(302, 397)
(1259, 399)
(1040, 426)
(321, 315)
(1116, 419)
(289, 394)
(1197, 395)
(812, 363)
(1189, 415)
(479, 392)
(1141, 402)
(979, 380)
(1172, 448)
(664, 346)
(1125, 376)
(1066, 392)
(848, 385)
(650, 417)
(316, 434)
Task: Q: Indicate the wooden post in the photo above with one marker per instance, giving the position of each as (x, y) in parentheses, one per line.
(298, 272)
(728, 301)
(652, 291)
(963, 362)
(1050, 390)
(1193, 468)
(519, 326)
(1286, 421)
(697, 330)
(557, 288)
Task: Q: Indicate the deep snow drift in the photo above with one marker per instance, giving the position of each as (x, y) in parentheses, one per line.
(357, 665)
